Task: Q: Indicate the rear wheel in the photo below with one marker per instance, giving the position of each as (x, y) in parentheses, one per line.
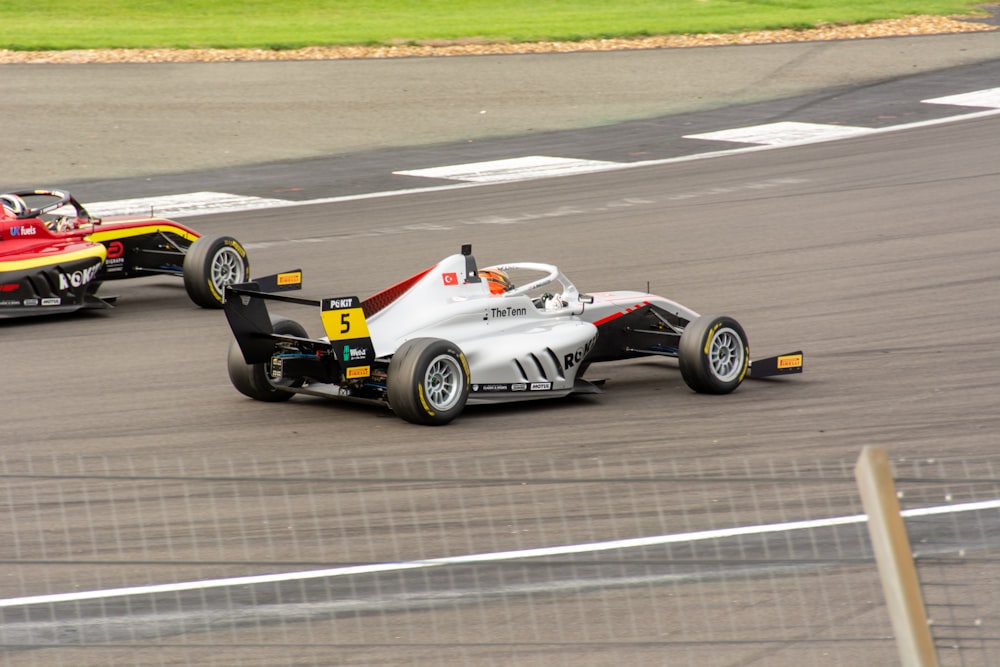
(428, 381)
(714, 354)
(211, 263)
(255, 380)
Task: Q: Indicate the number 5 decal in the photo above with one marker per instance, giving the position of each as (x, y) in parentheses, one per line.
(343, 318)
(345, 324)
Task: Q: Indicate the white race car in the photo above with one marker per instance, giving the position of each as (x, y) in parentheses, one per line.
(456, 334)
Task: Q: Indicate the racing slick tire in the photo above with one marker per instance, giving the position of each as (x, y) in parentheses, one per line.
(211, 263)
(428, 381)
(713, 354)
(254, 380)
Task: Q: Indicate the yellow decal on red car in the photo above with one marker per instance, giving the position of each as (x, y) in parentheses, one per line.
(790, 361)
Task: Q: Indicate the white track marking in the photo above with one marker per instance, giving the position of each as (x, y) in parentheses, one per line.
(534, 167)
(513, 169)
(989, 98)
(486, 557)
(783, 134)
(177, 206)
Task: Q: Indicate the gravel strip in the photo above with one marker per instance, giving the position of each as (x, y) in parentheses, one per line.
(914, 25)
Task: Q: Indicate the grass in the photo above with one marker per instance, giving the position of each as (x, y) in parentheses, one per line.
(76, 24)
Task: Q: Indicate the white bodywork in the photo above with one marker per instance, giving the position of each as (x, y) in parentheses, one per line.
(441, 338)
(517, 346)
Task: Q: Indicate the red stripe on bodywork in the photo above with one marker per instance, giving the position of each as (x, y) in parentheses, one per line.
(615, 316)
(607, 319)
(380, 300)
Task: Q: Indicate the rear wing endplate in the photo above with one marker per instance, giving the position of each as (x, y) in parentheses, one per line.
(246, 312)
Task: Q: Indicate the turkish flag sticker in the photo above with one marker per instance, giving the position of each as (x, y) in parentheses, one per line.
(450, 278)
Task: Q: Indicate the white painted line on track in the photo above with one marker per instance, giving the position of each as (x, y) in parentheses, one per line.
(512, 169)
(989, 98)
(177, 206)
(564, 550)
(787, 133)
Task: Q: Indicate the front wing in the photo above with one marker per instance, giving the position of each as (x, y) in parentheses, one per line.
(652, 326)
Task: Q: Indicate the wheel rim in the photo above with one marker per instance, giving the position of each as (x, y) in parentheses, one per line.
(443, 383)
(726, 354)
(227, 268)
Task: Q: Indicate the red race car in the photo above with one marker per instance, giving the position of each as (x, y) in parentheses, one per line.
(54, 255)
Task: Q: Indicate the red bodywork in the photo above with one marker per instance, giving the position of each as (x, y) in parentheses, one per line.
(56, 263)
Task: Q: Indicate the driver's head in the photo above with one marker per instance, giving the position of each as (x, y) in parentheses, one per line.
(11, 206)
(498, 281)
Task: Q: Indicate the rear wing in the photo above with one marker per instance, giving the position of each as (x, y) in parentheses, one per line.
(348, 341)
(246, 312)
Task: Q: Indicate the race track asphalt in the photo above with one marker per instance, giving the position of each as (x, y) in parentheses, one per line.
(76, 123)
(131, 460)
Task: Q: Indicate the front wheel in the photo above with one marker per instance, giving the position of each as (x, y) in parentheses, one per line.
(714, 354)
(428, 381)
(211, 263)
(255, 380)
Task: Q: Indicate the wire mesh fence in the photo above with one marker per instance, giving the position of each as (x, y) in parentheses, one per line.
(957, 553)
(160, 561)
